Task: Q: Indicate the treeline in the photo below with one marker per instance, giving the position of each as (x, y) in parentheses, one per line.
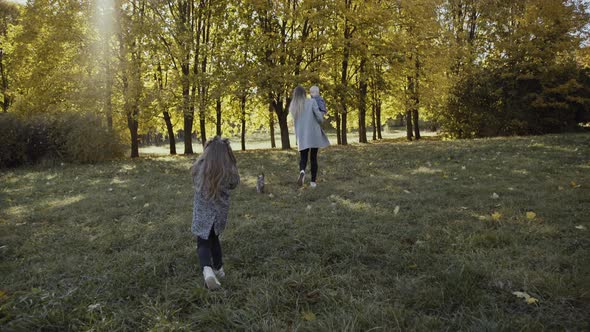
(474, 67)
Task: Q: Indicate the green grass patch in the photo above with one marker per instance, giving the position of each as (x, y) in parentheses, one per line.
(108, 246)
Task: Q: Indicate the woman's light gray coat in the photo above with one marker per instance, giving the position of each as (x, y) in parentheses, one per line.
(307, 127)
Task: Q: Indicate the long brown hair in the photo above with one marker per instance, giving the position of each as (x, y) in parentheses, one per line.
(218, 162)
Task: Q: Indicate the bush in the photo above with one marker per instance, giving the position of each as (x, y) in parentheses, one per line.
(513, 99)
(72, 137)
(13, 138)
(84, 138)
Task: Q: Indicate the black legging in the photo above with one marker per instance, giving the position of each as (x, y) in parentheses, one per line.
(314, 162)
(209, 251)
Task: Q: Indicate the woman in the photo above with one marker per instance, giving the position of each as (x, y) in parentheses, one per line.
(310, 136)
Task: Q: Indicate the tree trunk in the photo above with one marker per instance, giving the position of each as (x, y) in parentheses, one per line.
(218, 112)
(338, 137)
(344, 77)
(271, 124)
(409, 107)
(109, 102)
(409, 134)
(344, 130)
(108, 77)
(202, 124)
(282, 114)
(243, 109)
(285, 142)
(284, 127)
(132, 84)
(416, 125)
(170, 130)
(373, 121)
(6, 102)
(188, 131)
(204, 88)
(133, 126)
(188, 110)
(378, 116)
(362, 102)
(416, 99)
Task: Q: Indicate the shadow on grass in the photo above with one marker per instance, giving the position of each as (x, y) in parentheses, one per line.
(112, 248)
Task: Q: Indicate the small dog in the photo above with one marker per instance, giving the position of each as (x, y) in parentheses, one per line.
(260, 184)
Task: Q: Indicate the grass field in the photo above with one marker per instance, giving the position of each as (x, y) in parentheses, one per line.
(430, 235)
(262, 141)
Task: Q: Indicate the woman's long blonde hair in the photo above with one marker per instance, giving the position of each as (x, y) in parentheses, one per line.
(218, 162)
(297, 102)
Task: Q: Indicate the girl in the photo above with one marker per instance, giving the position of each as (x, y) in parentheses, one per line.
(310, 136)
(214, 174)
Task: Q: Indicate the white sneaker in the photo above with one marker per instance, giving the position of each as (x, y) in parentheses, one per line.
(301, 178)
(219, 273)
(313, 184)
(210, 280)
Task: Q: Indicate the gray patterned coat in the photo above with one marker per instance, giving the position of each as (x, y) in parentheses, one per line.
(211, 213)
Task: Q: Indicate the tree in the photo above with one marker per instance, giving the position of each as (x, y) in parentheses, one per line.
(528, 81)
(50, 62)
(8, 16)
(131, 17)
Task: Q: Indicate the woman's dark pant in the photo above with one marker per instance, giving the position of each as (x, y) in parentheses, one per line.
(209, 251)
(314, 162)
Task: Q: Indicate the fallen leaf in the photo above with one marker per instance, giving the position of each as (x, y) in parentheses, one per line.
(308, 208)
(463, 168)
(94, 306)
(581, 227)
(308, 315)
(146, 205)
(407, 191)
(527, 298)
(560, 188)
(396, 210)
(574, 184)
(495, 196)
(271, 195)
(531, 215)
(2, 294)
(496, 216)
(413, 266)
